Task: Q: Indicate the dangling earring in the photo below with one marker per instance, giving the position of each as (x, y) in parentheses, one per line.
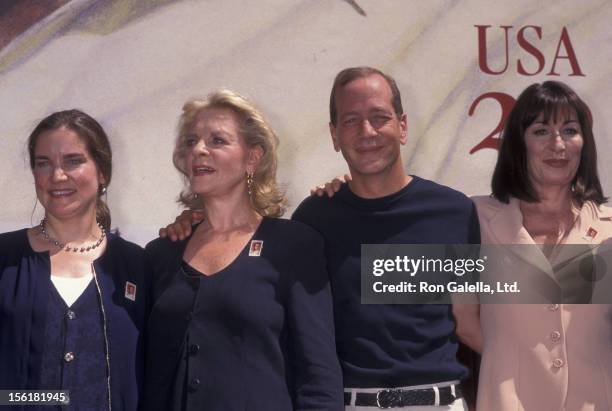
(102, 190)
(249, 181)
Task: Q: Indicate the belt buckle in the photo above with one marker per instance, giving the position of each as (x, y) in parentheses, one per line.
(390, 398)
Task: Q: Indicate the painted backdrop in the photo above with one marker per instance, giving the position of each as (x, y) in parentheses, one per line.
(131, 64)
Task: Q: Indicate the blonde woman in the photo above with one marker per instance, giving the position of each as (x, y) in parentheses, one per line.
(242, 315)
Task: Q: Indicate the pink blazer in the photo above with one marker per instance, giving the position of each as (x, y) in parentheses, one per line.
(544, 357)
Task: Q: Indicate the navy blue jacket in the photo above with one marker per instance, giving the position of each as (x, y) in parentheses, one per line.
(24, 290)
(256, 335)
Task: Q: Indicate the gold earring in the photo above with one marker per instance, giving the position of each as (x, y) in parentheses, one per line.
(249, 181)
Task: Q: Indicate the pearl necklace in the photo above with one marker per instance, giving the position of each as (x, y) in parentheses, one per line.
(63, 246)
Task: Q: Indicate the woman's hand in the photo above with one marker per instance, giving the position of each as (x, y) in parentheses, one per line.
(331, 187)
(181, 228)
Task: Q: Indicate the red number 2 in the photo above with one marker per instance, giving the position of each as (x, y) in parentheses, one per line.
(493, 140)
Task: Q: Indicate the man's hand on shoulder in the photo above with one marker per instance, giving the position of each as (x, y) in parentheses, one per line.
(330, 188)
(182, 226)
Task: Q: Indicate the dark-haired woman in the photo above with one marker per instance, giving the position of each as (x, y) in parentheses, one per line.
(72, 294)
(546, 193)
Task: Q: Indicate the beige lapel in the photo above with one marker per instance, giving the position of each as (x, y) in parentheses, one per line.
(589, 236)
(591, 226)
(590, 229)
(507, 226)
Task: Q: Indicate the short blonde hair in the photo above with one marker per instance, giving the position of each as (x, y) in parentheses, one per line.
(266, 198)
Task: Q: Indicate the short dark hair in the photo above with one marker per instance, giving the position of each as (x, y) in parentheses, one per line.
(352, 73)
(551, 98)
(96, 141)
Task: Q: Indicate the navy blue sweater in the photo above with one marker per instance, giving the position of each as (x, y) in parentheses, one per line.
(25, 285)
(256, 335)
(390, 345)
